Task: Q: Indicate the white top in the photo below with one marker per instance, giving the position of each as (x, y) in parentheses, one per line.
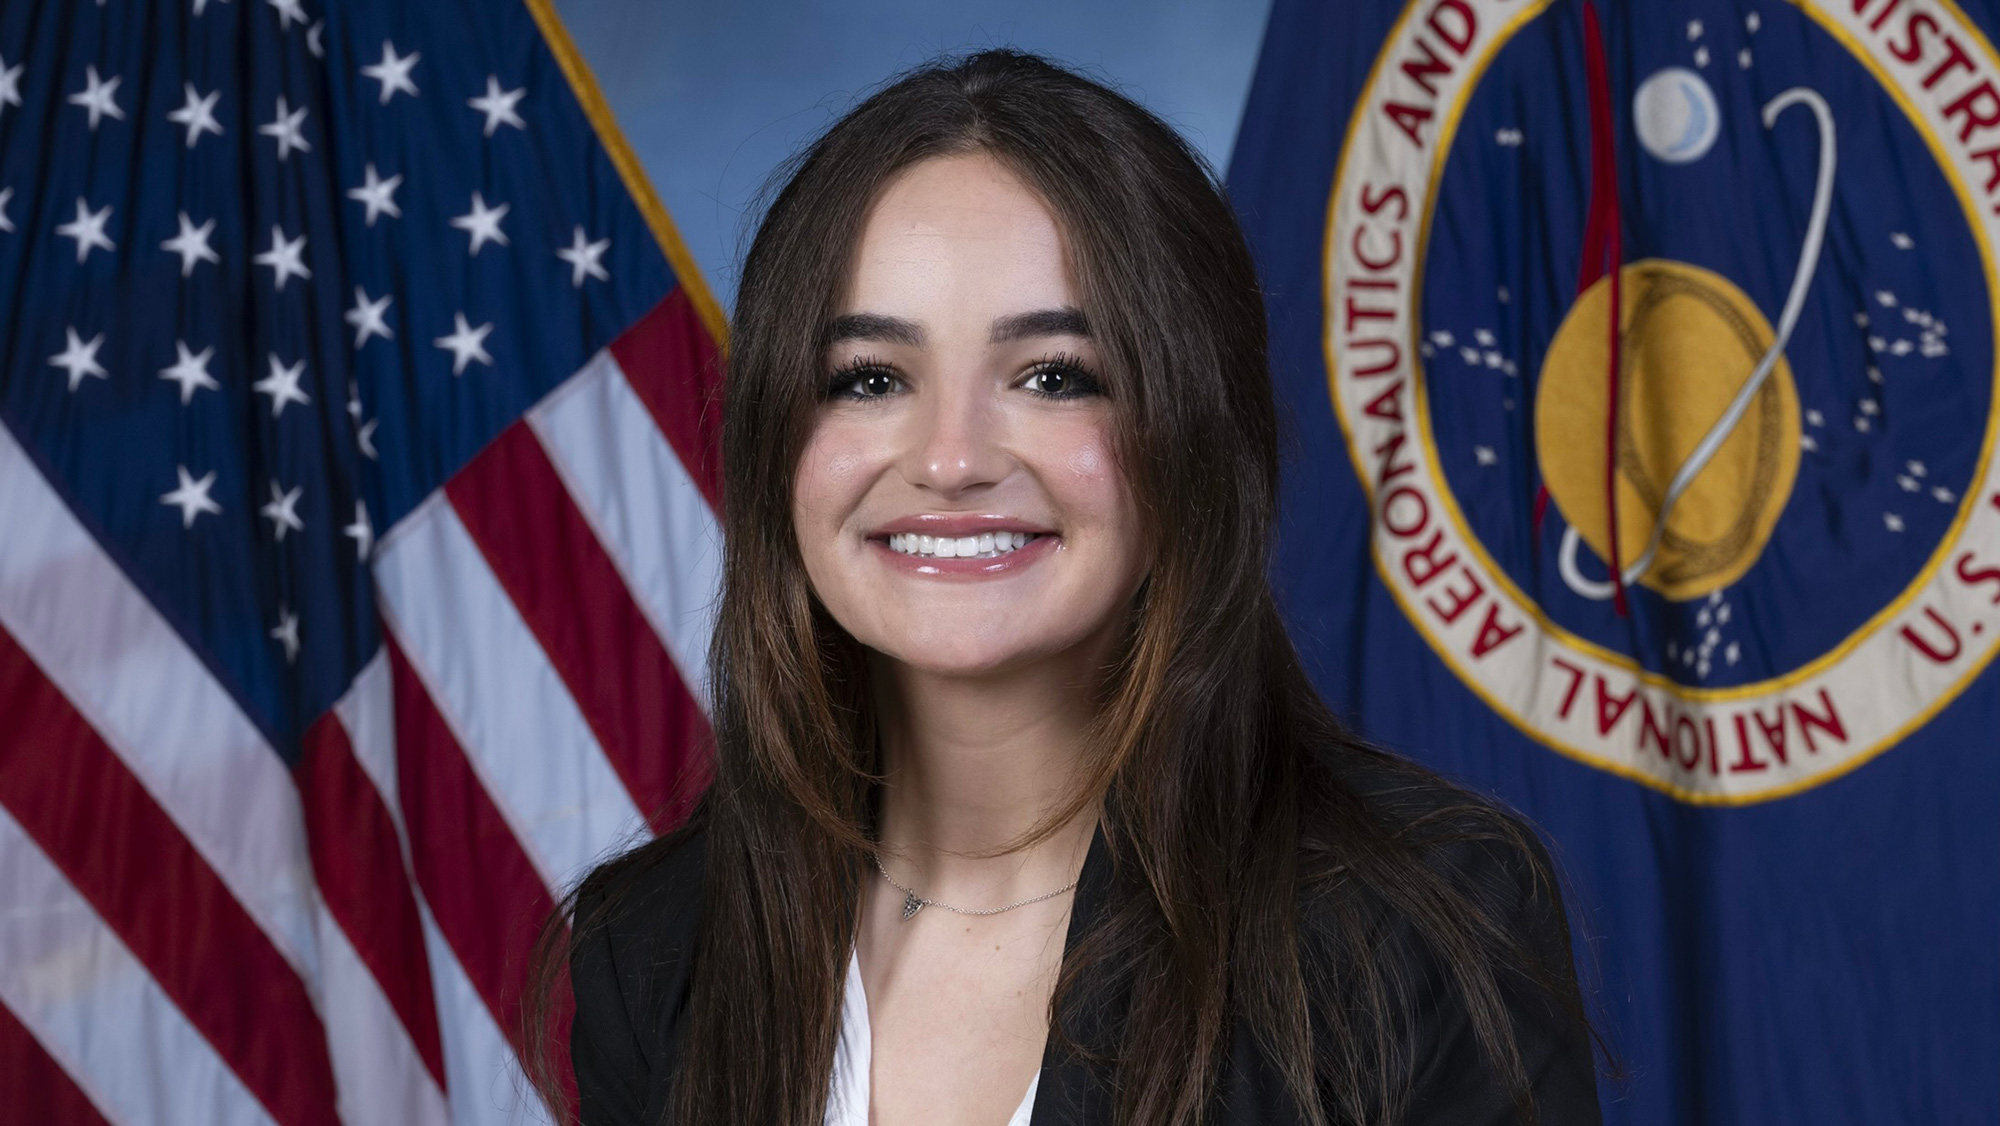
(848, 1105)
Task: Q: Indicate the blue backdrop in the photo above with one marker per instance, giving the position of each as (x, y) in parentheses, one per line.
(714, 96)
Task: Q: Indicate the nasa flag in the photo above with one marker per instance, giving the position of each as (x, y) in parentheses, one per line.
(1641, 363)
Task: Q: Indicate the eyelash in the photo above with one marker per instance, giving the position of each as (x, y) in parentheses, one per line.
(841, 383)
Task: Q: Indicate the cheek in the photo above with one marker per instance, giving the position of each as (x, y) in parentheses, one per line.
(1097, 487)
(831, 476)
(1090, 461)
(828, 485)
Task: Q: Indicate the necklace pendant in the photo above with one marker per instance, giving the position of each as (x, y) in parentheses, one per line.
(911, 905)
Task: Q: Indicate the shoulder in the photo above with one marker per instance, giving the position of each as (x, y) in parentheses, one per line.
(1482, 849)
(1464, 918)
(1414, 840)
(648, 901)
(641, 913)
(636, 923)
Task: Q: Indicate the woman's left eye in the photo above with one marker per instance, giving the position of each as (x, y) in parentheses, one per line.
(1061, 381)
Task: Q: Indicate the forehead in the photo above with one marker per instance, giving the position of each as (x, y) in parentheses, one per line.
(958, 235)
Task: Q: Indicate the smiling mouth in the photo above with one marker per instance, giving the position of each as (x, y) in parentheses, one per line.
(985, 545)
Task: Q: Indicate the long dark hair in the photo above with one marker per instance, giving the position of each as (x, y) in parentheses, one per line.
(1229, 806)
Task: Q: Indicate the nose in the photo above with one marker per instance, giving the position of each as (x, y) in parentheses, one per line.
(953, 446)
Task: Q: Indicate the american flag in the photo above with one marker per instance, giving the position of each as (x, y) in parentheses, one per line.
(357, 547)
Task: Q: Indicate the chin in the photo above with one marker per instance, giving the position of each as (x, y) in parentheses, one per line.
(960, 656)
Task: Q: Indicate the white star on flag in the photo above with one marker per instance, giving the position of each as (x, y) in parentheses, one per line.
(361, 532)
(283, 511)
(365, 438)
(466, 344)
(98, 98)
(393, 72)
(10, 84)
(192, 244)
(483, 223)
(192, 497)
(498, 105)
(198, 114)
(585, 258)
(288, 10)
(199, 5)
(282, 385)
(87, 229)
(6, 194)
(79, 359)
(286, 633)
(285, 128)
(366, 317)
(190, 371)
(377, 195)
(284, 258)
(313, 44)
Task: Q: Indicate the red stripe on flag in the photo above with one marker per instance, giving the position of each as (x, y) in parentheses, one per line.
(358, 864)
(573, 598)
(674, 367)
(121, 851)
(483, 890)
(38, 1089)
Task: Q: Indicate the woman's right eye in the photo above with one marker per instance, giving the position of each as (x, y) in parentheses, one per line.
(863, 383)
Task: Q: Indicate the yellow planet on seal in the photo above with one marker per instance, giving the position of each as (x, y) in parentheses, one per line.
(1689, 339)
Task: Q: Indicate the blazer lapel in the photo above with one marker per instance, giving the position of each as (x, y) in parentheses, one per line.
(1073, 1092)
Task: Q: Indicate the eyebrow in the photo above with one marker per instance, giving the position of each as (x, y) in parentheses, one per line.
(876, 327)
(1064, 321)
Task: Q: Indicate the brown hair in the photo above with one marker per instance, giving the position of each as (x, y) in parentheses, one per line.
(1227, 802)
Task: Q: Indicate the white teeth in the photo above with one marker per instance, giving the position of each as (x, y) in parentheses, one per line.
(986, 545)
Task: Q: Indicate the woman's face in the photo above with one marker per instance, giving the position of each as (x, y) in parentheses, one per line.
(958, 505)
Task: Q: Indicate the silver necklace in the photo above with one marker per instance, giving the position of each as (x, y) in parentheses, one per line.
(913, 903)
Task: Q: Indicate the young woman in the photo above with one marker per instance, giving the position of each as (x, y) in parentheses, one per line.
(1023, 809)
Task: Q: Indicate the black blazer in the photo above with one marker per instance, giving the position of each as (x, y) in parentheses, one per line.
(631, 986)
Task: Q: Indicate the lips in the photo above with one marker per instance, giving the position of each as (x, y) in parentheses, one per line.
(963, 545)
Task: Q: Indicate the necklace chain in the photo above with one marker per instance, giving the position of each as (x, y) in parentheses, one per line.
(912, 902)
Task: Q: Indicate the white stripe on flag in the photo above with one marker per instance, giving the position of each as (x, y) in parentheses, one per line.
(96, 1010)
(485, 1083)
(638, 498)
(139, 685)
(505, 703)
(368, 714)
(376, 1069)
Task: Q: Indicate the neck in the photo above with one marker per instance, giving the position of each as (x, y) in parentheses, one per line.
(972, 764)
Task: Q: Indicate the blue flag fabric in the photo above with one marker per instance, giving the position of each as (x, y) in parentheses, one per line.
(1719, 615)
